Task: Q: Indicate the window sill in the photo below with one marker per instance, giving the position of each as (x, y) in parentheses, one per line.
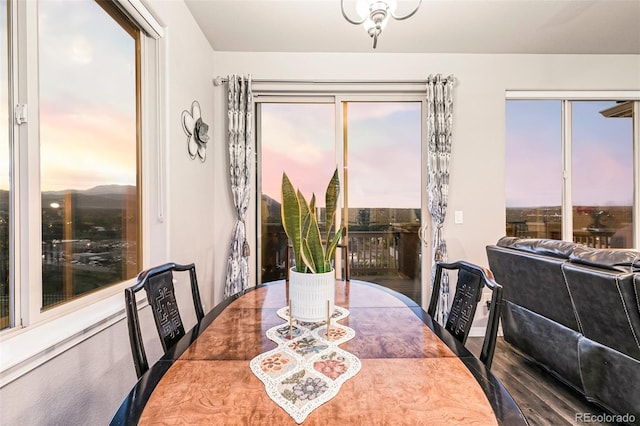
(23, 350)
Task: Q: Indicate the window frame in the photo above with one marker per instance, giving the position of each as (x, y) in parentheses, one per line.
(36, 335)
(566, 98)
(339, 93)
(32, 311)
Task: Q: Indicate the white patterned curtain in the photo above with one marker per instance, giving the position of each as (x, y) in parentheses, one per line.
(439, 125)
(239, 121)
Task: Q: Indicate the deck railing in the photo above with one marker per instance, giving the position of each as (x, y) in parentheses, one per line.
(593, 239)
(372, 253)
(380, 252)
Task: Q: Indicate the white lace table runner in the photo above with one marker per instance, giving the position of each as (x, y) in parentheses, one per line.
(307, 368)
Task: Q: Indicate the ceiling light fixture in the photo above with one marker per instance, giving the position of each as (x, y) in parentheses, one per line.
(374, 15)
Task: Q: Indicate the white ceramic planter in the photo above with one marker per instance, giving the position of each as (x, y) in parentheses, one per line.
(308, 294)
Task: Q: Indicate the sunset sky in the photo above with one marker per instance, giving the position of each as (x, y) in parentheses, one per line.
(87, 115)
(297, 139)
(87, 98)
(602, 155)
(384, 151)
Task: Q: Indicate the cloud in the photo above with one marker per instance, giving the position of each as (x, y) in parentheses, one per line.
(386, 173)
(301, 136)
(87, 97)
(384, 151)
(81, 150)
(534, 175)
(533, 172)
(602, 178)
(84, 55)
(375, 110)
(308, 177)
(80, 50)
(297, 139)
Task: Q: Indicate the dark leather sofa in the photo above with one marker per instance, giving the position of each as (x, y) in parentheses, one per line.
(576, 311)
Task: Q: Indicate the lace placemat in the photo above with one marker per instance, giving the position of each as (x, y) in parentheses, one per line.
(307, 368)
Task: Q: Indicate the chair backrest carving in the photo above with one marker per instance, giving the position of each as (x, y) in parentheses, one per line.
(162, 298)
(471, 280)
(468, 294)
(158, 285)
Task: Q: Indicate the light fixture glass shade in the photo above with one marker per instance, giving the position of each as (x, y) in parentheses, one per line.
(374, 15)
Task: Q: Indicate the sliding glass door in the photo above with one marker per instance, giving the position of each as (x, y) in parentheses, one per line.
(297, 139)
(376, 146)
(383, 193)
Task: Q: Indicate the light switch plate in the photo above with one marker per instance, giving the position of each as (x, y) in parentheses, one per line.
(458, 217)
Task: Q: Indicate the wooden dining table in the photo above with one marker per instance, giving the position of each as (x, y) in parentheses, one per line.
(412, 370)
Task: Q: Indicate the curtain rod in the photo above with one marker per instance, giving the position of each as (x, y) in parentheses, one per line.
(220, 80)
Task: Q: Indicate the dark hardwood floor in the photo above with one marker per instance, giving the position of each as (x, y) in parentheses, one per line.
(543, 399)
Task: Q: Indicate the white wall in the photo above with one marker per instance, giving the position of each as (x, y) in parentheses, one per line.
(477, 166)
(190, 193)
(86, 384)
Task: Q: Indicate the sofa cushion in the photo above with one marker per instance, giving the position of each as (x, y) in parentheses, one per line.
(612, 259)
(549, 343)
(611, 379)
(533, 281)
(605, 302)
(542, 246)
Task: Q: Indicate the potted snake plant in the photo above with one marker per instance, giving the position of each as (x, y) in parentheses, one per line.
(312, 279)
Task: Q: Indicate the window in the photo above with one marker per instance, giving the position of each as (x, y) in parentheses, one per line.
(5, 162)
(88, 148)
(534, 144)
(602, 175)
(380, 145)
(79, 150)
(570, 172)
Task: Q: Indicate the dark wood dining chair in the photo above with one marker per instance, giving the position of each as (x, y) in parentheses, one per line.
(471, 280)
(158, 284)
